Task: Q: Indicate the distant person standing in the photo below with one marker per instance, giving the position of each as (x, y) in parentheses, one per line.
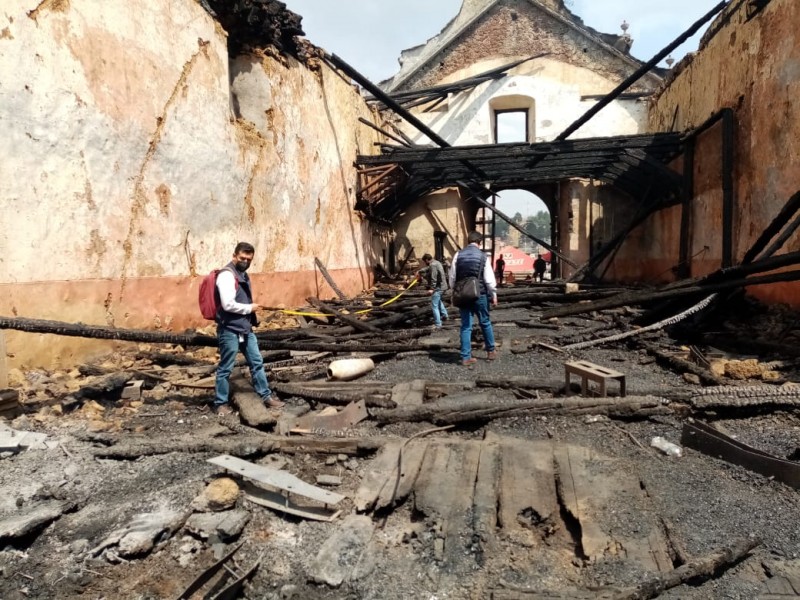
(471, 262)
(499, 267)
(433, 273)
(539, 268)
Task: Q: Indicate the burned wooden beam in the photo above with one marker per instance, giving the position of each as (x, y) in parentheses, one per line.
(645, 297)
(481, 407)
(383, 132)
(329, 279)
(703, 567)
(354, 322)
(640, 72)
(789, 210)
(104, 333)
(236, 445)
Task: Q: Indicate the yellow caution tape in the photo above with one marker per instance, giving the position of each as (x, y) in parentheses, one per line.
(360, 312)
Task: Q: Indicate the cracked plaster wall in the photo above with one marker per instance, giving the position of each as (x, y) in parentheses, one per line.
(754, 68)
(129, 168)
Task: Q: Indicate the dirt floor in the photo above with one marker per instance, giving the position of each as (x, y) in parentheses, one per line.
(582, 540)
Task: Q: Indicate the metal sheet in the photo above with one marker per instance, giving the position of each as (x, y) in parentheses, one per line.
(276, 501)
(276, 478)
(708, 440)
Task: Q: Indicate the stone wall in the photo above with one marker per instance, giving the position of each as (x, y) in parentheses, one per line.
(136, 154)
(753, 67)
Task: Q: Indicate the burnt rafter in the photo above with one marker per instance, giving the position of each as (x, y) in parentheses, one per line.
(629, 163)
(437, 94)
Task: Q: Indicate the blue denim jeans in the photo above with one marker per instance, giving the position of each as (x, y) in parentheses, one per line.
(439, 309)
(229, 346)
(481, 306)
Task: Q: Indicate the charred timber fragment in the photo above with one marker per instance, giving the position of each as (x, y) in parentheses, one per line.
(241, 446)
(156, 337)
(774, 228)
(104, 333)
(746, 397)
(375, 397)
(681, 365)
(480, 407)
(716, 282)
(256, 24)
(704, 567)
(354, 322)
(329, 279)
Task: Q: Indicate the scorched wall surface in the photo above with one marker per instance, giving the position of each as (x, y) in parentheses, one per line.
(136, 154)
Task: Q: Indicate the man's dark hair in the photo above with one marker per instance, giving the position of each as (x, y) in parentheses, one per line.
(426, 257)
(474, 237)
(244, 247)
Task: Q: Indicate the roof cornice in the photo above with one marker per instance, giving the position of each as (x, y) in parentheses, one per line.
(445, 43)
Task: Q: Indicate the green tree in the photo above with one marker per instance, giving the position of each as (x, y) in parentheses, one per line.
(539, 225)
(500, 228)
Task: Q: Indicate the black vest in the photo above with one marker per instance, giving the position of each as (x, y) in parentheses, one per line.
(470, 263)
(244, 295)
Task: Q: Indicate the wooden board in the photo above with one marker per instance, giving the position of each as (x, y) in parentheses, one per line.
(398, 488)
(276, 478)
(578, 487)
(458, 528)
(445, 494)
(592, 486)
(409, 393)
(382, 471)
(484, 501)
(353, 413)
(527, 492)
(252, 410)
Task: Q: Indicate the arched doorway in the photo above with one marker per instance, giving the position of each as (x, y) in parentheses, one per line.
(533, 210)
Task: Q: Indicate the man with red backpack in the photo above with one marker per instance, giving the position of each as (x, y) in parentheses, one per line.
(235, 319)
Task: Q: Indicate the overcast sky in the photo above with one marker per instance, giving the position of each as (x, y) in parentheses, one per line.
(370, 34)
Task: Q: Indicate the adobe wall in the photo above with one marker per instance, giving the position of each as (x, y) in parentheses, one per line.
(136, 154)
(754, 68)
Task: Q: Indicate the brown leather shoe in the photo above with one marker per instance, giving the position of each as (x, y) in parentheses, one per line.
(272, 402)
(469, 362)
(223, 410)
(491, 355)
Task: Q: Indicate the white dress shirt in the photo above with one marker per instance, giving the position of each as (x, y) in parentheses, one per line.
(226, 284)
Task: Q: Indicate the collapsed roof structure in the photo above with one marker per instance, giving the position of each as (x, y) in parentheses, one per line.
(673, 473)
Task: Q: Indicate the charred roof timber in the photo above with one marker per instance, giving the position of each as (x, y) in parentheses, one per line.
(256, 23)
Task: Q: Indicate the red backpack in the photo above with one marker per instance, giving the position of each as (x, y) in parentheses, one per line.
(209, 296)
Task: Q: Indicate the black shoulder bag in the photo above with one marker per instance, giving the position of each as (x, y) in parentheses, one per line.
(466, 291)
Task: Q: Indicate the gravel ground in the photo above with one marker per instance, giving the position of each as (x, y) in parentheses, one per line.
(704, 502)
